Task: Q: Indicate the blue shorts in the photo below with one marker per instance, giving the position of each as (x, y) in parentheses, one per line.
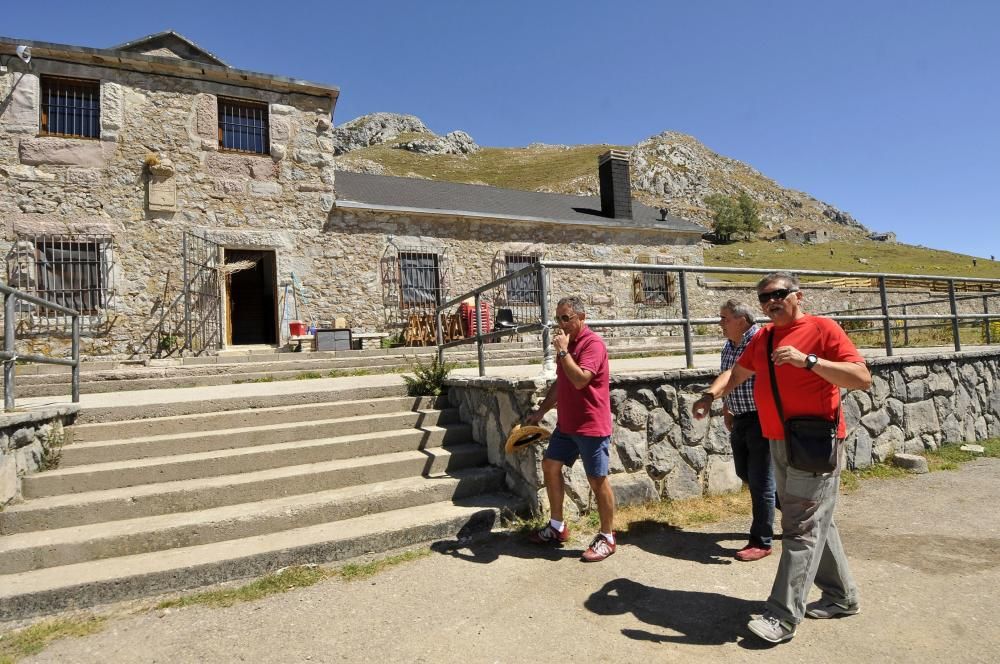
(593, 450)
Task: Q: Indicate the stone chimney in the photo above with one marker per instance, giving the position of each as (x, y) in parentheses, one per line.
(616, 186)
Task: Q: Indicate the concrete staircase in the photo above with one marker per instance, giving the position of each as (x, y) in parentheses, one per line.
(175, 495)
(40, 380)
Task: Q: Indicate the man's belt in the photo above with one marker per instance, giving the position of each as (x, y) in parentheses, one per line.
(745, 416)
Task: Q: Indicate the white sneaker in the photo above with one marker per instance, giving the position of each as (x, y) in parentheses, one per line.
(771, 628)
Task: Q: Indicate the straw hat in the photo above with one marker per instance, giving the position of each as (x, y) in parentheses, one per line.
(521, 436)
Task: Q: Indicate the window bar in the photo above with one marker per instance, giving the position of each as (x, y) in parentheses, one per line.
(72, 109)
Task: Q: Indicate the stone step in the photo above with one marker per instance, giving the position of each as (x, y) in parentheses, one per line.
(198, 404)
(96, 506)
(296, 363)
(243, 417)
(76, 544)
(85, 584)
(118, 474)
(62, 386)
(254, 435)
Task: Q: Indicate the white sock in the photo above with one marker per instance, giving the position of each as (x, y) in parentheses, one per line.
(556, 525)
(610, 537)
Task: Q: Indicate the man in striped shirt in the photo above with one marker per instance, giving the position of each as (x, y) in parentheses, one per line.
(751, 451)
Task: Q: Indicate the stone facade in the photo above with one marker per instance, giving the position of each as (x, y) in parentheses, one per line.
(659, 450)
(63, 186)
(30, 442)
(357, 240)
(157, 171)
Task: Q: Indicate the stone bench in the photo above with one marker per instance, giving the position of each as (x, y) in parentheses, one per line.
(370, 339)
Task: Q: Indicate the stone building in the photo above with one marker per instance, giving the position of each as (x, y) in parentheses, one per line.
(180, 203)
(817, 236)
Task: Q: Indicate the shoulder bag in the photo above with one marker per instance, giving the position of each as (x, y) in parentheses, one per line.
(811, 443)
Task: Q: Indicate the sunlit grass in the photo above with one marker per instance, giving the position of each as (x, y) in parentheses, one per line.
(15, 645)
(290, 578)
(885, 257)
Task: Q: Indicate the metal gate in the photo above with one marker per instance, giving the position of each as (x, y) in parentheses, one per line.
(202, 294)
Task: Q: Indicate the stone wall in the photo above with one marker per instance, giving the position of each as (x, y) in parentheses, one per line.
(30, 442)
(659, 450)
(357, 241)
(62, 186)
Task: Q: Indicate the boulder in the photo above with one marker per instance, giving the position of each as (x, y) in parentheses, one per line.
(911, 462)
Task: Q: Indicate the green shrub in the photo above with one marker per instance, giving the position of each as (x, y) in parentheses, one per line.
(391, 341)
(427, 379)
(168, 342)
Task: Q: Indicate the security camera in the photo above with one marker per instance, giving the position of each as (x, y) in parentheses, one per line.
(24, 52)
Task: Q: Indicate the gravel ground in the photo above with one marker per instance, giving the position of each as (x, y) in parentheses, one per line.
(925, 551)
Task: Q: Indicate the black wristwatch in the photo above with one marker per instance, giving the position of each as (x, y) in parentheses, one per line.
(562, 354)
(811, 361)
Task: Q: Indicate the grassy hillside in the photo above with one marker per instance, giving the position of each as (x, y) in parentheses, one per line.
(881, 257)
(546, 168)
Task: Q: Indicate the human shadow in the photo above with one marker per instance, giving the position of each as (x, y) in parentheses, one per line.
(485, 548)
(698, 618)
(672, 542)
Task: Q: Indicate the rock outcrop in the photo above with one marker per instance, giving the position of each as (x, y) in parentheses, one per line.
(375, 129)
(455, 142)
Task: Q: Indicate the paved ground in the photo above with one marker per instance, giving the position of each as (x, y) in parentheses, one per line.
(925, 550)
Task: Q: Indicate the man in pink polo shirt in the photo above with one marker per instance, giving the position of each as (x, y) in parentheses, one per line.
(584, 426)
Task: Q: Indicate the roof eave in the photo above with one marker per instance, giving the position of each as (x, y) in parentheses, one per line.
(172, 66)
(372, 207)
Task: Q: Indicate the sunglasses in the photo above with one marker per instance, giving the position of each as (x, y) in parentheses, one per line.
(564, 318)
(779, 294)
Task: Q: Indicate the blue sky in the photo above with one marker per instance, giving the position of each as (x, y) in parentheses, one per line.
(887, 110)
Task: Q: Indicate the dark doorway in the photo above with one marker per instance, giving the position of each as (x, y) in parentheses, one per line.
(250, 297)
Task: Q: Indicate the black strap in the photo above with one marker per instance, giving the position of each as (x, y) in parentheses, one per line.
(774, 381)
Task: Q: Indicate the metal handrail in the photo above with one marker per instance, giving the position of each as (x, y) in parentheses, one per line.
(543, 269)
(9, 354)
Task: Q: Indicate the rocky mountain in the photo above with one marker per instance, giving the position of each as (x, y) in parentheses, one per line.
(669, 170)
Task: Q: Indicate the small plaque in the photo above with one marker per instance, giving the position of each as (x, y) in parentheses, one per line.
(162, 193)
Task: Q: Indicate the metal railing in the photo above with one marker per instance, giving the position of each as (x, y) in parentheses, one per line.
(543, 270)
(10, 356)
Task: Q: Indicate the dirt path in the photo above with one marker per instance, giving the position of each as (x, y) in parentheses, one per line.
(925, 551)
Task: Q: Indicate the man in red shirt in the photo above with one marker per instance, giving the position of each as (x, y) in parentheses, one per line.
(813, 358)
(583, 429)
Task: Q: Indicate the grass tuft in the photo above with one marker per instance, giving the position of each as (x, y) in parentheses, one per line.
(262, 379)
(32, 640)
(308, 375)
(272, 584)
(357, 571)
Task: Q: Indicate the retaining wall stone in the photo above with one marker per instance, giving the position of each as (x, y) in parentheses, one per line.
(660, 451)
(30, 441)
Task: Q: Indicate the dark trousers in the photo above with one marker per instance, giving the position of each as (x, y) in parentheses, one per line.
(752, 457)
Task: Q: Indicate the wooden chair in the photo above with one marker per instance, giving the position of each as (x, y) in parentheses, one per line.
(451, 327)
(415, 333)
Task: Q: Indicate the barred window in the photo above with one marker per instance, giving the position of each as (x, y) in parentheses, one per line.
(523, 290)
(72, 271)
(654, 288)
(71, 107)
(657, 287)
(420, 280)
(243, 126)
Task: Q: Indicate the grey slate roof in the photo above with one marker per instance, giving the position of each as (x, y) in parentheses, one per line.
(383, 192)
